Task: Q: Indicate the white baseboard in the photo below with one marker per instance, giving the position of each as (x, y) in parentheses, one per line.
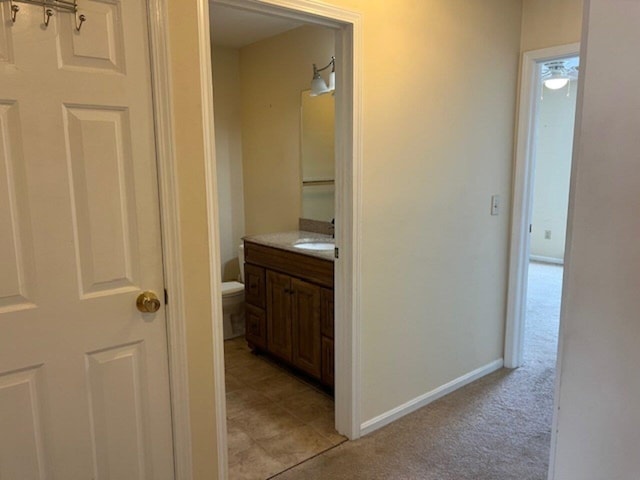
(539, 258)
(425, 399)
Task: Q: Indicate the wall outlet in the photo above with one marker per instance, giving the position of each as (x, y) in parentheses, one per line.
(495, 204)
(547, 234)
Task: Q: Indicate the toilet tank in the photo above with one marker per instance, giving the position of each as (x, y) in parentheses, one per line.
(241, 261)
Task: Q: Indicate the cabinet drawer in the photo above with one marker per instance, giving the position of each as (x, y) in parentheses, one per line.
(256, 326)
(327, 362)
(326, 312)
(254, 287)
(313, 269)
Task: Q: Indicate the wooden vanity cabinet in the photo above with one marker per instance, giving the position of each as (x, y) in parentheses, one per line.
(290, 308)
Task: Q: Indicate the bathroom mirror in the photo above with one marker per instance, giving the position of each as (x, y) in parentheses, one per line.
(317, 156)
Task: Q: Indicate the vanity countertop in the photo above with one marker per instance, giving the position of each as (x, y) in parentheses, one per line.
(286, 240)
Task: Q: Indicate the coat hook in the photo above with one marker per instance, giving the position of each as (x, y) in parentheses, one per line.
(14, 11)
(80, 19)
(47, 13)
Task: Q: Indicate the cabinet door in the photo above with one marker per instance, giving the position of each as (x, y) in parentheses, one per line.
(326, 312)
(306, 327)
(279, 315)
(254, 285)
(327, 361)
(256, 326)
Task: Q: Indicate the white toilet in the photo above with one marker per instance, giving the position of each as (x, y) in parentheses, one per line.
(233, 303)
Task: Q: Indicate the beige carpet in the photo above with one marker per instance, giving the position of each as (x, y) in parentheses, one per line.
(497, 428)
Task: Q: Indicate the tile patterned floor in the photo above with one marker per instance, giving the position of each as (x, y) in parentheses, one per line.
(274, 419)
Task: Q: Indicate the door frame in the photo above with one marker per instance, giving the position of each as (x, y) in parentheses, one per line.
(520, 244)
(159, 51)
(348, 27)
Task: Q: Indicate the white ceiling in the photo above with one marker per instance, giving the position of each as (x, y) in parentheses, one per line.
(231, 27)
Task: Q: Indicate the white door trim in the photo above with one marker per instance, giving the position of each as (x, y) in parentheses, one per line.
(206, 96)
(348, 24)
(171, 241)
(523, 197)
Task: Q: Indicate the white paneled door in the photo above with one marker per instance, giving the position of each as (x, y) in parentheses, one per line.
(84, 388)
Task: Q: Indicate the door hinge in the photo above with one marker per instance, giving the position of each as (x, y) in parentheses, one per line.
(166, 296)
(529, 228)
(336, 252)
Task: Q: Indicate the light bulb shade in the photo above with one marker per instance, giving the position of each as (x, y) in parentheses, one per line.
(556, 83)
(318, 86)
(332, 81)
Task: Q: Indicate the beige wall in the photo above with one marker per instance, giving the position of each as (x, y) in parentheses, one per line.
(598, 417)
(554, 145)
(438, 130)
(228, 131)
(193, 231)
(273, 74)
(548, 23)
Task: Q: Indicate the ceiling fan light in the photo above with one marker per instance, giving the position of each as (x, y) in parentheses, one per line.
(556, 83)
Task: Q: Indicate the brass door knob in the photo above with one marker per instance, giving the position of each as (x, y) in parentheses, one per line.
(148, 302)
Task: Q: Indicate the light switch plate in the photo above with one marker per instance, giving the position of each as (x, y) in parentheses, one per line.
(495, 205)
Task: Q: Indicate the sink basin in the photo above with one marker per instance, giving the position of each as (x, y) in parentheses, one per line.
(314, 245)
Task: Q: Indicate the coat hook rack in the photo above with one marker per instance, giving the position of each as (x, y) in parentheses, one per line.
(49, 7)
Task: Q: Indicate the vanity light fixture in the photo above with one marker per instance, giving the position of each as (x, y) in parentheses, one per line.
(556, 75)
(318, 85)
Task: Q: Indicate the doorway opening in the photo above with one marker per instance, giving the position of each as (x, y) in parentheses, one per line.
(279, 404)
(541, 186)
(275, 178)
(553, 145)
